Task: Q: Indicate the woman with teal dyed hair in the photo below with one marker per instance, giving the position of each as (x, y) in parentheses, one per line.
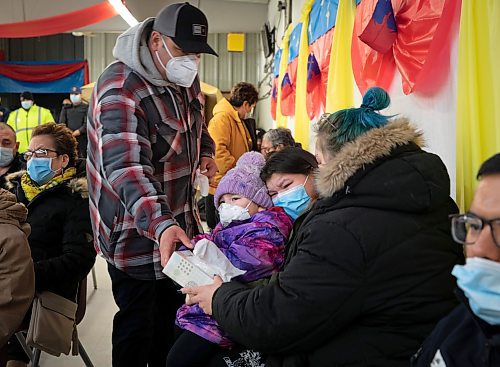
(367, 274)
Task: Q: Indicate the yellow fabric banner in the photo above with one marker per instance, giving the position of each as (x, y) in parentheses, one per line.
(478, 94)
(302, 122)
(281, 121)
(340, 87)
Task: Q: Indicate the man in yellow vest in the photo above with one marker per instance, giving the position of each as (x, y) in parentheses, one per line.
(26, 118)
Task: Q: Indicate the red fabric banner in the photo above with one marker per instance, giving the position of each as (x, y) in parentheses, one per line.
(288, 89)
(317, 73)
(43, 72)
(58, 23)
(419, 48)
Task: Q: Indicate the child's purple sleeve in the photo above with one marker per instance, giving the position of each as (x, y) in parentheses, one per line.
(260, 252)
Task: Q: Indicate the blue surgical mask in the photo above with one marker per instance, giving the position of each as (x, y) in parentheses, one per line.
(40, 170)
(6, 156)
(479, 279)
(75, 98)
(293, 201)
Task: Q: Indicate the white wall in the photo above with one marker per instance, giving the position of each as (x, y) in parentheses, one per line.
(263, 108)
(434, 115)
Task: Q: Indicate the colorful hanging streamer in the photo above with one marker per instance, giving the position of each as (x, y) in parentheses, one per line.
(289, 83)
(302, 123)
(281, 121)
(478, 95)
(413, 37)
(340, 88)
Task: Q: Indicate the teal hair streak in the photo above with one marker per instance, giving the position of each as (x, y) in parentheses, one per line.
(353, 122)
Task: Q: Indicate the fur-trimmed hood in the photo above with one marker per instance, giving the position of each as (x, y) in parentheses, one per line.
(364, 150)
(78, 185)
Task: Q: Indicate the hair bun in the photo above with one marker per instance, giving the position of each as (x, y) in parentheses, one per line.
(251, 162)
(376, 99)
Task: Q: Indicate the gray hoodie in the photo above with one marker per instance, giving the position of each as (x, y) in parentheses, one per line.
(131, 48)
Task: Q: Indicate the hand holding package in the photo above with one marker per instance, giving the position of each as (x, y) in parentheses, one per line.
(199, 267)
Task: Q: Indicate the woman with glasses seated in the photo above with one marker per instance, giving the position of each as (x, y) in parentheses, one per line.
(58, 213)
(367, 273)
(470, 335)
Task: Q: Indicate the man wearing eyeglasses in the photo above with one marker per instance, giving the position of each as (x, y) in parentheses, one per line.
(147, 137)
(470, 335)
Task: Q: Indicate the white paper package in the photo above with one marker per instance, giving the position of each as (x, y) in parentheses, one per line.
(195, 268)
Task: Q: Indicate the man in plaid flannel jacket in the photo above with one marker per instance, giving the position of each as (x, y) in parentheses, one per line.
(147, 136)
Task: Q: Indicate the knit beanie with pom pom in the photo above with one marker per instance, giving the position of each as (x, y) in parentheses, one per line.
(244, 180)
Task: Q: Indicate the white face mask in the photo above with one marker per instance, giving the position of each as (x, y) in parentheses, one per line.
(75, 98)
(26, 104)
(249, 115)
(229, 213)
(180, 70)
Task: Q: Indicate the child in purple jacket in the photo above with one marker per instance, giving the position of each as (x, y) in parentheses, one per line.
(252, 234)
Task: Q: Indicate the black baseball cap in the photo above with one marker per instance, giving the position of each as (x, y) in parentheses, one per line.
(27, 95)
(75, 90)
(186, 25)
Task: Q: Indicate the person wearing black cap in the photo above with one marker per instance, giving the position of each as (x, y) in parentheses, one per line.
(25, 119)
(4, 112)
(147, 137)
(75, 117)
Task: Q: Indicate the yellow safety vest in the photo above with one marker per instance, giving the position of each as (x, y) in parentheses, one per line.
(23, 122)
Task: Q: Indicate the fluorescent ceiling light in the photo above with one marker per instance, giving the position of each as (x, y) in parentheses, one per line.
(251, 1)
(124, 12)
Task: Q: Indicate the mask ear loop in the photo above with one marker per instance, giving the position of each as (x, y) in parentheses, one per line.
(158, 56)
(307, 178)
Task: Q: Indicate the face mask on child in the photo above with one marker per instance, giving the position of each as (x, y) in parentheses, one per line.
(480, 280)
(293, 201)
(229, 213)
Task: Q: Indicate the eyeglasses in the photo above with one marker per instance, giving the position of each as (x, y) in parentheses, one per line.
(466, 228)
(38, 153)
(267, 150)
(327, 118)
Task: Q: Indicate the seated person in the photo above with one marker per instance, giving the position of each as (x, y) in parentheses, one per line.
(470, 334)
(259, 134)
(17, 279)
(10, 159)
(367, 273)
(252, 234)
(58, 213)
(275, 140)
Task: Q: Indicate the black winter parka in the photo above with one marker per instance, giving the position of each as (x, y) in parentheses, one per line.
(368, 273)
(60, 240)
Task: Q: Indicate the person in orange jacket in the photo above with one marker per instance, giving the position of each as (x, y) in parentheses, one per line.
(231, 136)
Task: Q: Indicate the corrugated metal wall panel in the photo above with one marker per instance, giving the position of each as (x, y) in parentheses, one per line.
(231, 67)
(99, 52)
(57, 47)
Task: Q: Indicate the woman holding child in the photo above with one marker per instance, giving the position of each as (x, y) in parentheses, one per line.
(367, 273)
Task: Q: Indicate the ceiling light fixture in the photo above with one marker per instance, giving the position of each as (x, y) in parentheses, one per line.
(124, 12)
